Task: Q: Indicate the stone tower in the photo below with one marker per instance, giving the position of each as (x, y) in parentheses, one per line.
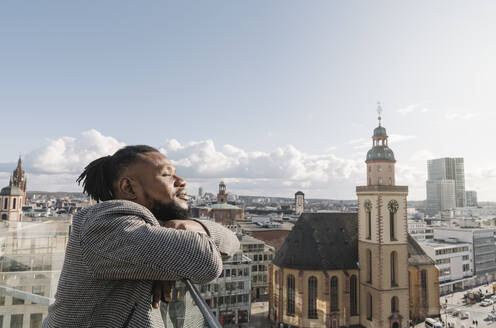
(299, 202)
(383, 239)
(19, 179)
(222, 195)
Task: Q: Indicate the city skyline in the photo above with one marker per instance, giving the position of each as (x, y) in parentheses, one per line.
(272, 98)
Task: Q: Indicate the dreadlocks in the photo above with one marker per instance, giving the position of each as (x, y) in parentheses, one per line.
(99, 176)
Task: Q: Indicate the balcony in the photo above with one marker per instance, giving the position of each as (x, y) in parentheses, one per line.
(31, 259)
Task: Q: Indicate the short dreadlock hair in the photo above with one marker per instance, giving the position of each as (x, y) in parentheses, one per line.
(99, 176)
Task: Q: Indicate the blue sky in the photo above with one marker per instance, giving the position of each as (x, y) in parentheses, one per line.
(289, 85)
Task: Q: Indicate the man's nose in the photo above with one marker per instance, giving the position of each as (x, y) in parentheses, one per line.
(179, 182)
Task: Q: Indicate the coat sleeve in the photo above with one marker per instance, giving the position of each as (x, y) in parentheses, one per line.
(225, 240)
(126, 247)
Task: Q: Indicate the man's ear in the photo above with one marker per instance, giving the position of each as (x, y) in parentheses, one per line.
(126, 188)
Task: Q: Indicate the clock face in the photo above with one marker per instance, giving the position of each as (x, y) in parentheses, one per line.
(393, 206)
(368, 205)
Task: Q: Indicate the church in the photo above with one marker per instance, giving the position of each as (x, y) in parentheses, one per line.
(356, 269)
(13, 197)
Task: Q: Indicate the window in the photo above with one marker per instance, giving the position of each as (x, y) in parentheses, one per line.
(241, 285)
(379, 168)
(394, 268)
(353, 295)
(290, 302)
(36, 320)
(465, 258)
(265, 257)
(423, 286)
(379, 181)
(312, 298)
(5, 203)
(394, 304)
(334, 294)
(228, 272)
(16, 320)
(369, 266)
(368, 213)
(393, 208)
(369, 307)
(466, 267)
(14, 203)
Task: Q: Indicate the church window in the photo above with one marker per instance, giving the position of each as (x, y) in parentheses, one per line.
(379, 168)
(379, 181)
(312, 298)
(369, 307)
(394, 304)
(14, 203)
(5, 203)
(334, 294)
(290, 304)
(394, 268)
(393, 208)
(368, 213)
(353, 295)
(390, 181)
(369, 266)
(423, 286)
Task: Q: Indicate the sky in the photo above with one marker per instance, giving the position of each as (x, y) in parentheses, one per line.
(270, 96)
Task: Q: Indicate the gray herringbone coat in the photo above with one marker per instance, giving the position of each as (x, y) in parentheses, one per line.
(116, 250)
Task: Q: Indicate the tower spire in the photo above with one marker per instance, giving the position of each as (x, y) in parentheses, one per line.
(379, 112)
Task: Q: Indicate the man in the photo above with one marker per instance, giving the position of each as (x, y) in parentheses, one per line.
(136, 234)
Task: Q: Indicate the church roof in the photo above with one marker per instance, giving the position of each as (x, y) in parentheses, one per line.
(299, 192)
(223, 206)
(416, 255)
(321, 241)
(12, 191)
(380, 153)
(329, 241)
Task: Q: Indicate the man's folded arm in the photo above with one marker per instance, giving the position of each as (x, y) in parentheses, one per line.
(126, 247)
(225, 240)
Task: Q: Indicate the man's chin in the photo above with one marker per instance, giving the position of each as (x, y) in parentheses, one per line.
(175, 211)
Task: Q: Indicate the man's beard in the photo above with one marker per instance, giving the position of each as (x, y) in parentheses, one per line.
(165, 212)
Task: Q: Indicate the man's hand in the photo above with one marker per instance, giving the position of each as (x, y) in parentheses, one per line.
(189, 225)
(162, 291)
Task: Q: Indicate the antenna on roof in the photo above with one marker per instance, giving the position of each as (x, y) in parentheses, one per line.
(379, 112)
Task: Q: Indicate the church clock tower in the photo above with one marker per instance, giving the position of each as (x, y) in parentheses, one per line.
(383, 239)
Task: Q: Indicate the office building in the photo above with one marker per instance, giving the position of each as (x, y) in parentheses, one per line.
(449, 169)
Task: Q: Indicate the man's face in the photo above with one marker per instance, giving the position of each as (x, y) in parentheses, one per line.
(160, 189)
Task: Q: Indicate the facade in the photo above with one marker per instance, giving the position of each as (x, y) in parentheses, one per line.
(483, 248)
(454, 261)
(441, 196)
(356, 269)
(449, 169)
(471, 198)
(229, 295)
(261, 256)
(419, 230)
(32, 255)
(299, 202)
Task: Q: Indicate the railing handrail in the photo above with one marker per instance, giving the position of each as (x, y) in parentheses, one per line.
(202, 305)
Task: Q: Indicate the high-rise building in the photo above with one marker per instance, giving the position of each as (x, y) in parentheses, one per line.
(448, 168)
(471, 198)
(440, 195)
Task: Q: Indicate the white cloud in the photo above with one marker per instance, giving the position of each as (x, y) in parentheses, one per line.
(397, 138)
(71, 155)
(413, 108)
(461, 116)
(422, 155)
(280, 172)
